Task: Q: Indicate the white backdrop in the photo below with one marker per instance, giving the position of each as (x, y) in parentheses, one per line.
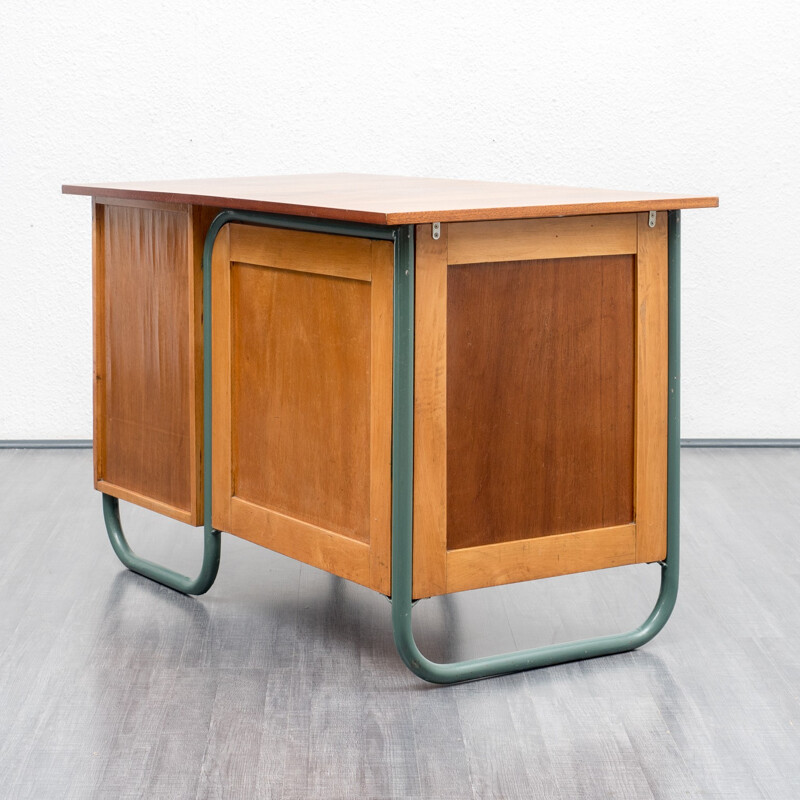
(696, 97)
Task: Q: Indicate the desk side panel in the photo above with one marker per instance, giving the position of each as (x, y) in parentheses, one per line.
(148, 354)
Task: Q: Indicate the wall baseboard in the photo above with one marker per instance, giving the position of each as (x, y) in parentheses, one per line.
(86, 444)
(45, 444)
(740, 442)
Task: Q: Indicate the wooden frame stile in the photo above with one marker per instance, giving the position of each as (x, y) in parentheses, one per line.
(652, 381)
(366, 561)
(436, 568)
(195, 220)
(430, 413)
(98, 336)
(381, 417)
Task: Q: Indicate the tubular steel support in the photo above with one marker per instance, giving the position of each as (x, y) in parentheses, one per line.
(402, 498)
(199, 585)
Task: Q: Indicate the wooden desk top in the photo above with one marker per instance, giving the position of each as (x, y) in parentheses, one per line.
(390, 199)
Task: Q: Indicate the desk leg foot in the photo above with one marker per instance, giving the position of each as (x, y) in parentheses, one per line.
(402, 498)
(519, 661)
(181, 583)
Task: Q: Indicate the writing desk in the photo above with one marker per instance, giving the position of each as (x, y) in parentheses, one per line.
(423, 386)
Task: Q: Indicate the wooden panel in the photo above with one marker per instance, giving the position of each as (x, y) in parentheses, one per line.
(652, 390)
(143, 500)
(540, 363)
(392, 200)
(311, 544)
(545, 557)
(301, 396)
(526, 239)
(155, 205)
(302, 403)
(380, 466)
(145, 358)
(430, 406)
(344, 256)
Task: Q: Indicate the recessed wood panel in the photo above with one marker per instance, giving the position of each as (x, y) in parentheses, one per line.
(540, 398)
(144, 357)
(301, 396)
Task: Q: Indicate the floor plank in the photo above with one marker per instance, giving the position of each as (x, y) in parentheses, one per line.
(282, 681)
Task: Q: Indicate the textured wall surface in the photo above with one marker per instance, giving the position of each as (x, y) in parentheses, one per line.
(694, 97)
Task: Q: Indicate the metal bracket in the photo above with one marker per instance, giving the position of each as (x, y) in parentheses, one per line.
(651, 219)
(436, 231)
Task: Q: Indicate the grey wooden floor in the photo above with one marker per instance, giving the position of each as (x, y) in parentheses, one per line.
(283, 682)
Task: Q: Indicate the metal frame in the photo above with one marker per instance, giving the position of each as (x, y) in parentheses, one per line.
(403, 467)
(156, 572)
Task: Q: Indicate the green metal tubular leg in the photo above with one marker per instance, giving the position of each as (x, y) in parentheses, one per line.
(402, 498)
(199, 585)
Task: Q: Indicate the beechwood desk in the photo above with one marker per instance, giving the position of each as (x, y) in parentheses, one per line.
(423, 386)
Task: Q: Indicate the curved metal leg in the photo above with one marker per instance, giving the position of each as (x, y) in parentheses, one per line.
(402, 499)
(199, 585)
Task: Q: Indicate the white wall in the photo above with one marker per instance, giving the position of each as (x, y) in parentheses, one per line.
(688, 96)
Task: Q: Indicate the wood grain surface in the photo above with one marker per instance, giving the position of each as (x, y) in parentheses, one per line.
(528, 239)
(393, 200)
(652, 387)
(430, 413)
(221, 474)
(542, 557)
(320, 253)
(380, 415)
(292, 536)
(200, 219)
(302, 397)
(146, 352)
(540, 392)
